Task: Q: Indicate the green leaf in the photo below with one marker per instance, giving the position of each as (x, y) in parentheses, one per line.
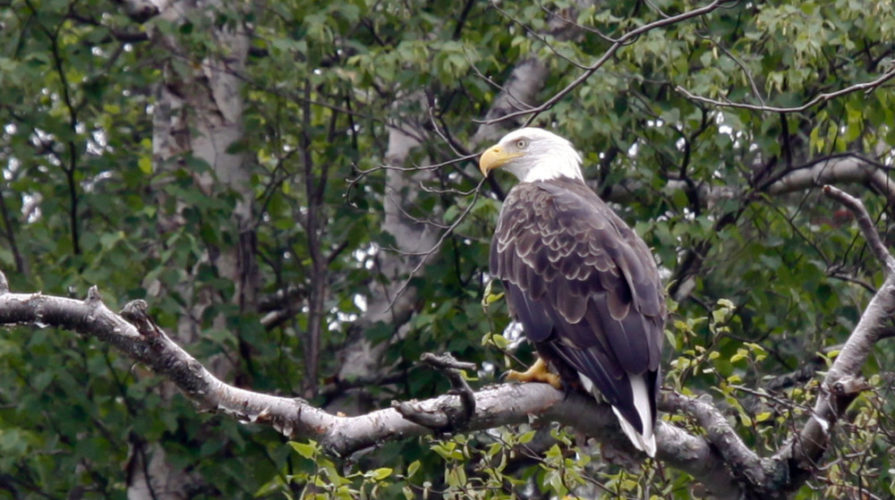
(145, 164)
(381, 473)
(413, 468)
(306, 450)
(527, 437)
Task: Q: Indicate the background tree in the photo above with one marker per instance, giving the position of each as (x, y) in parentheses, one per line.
(291, 187)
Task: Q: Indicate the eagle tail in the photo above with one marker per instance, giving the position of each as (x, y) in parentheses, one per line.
(644, 441)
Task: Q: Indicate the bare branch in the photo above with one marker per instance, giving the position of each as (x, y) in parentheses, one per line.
(454, 371)
(538, 36)
(855, 206)
(515, 98)
(719, 432)
(695, 456)
(823, 97)
(437, 245)
(619, 43)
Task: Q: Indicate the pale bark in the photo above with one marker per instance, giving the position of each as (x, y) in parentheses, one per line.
(150, 476)
(141, 340)
(843, 381)
(840, 170)
(198, 112)
(721, 461)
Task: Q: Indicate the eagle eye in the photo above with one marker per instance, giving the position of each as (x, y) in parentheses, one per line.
(521, 143)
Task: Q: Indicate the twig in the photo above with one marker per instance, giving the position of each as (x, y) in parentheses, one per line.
(537, 36)
(438, 243)
(448, 418)
(515, 102)
(823, 97)
(572, 22)
(447, 364)
(619, 43)
(843, 381)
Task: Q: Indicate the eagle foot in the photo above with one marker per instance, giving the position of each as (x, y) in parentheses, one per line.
(538, 372)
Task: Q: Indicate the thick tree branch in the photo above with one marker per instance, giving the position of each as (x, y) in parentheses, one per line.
(835, 170)
(443, 419)
(134, 334)
(846, 168)
(721, 460)
(720, 433)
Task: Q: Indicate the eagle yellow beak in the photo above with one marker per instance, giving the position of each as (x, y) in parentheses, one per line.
(495, 157)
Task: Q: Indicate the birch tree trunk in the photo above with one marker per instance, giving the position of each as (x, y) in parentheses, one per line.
(198, 114)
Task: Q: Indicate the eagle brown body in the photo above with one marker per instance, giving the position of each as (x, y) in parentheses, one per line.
(585, 288)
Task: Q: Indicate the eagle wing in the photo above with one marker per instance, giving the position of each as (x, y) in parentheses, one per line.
(584, 286)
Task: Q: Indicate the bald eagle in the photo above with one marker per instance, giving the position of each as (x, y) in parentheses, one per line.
(584, 286)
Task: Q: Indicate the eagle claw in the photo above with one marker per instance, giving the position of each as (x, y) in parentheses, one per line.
(536, 373)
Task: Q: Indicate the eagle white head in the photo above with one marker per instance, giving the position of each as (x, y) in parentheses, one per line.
(533, 154)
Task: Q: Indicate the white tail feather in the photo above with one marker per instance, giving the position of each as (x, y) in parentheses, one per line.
(645, 442)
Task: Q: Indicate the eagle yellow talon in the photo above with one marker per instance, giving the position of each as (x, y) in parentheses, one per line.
(536, 373)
